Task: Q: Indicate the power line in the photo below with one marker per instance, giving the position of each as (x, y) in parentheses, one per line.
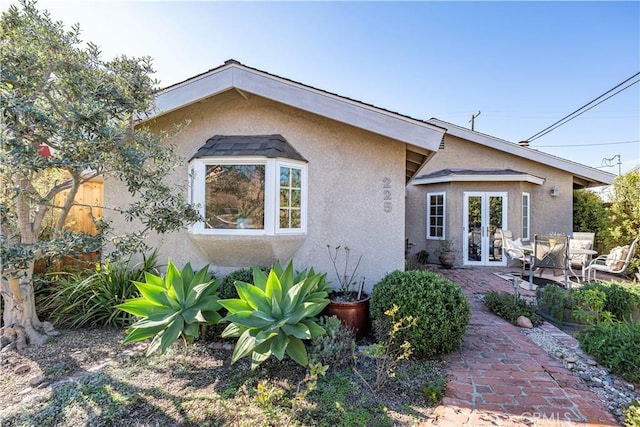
(588, 145)
(586, 107)
(584, 111)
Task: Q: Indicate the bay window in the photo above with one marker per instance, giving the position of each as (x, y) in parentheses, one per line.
(249, 195)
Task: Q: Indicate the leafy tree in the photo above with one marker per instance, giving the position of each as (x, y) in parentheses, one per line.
(624, 212)
(590, 215)
(58, 94)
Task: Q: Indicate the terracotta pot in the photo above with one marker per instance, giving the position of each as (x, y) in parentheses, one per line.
(353, 314)
(447, 259)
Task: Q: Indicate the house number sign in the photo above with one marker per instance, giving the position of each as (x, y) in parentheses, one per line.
(386, 194)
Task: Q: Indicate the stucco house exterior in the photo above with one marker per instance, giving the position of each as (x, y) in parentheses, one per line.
(476, 184)
(313, 169)
(280, 170)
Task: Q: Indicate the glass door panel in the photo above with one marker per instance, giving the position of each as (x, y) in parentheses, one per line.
(496, 209)
(484, 214)
(474, 227)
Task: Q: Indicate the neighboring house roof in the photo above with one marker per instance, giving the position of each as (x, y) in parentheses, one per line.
(423, 138)
(582, 175)
(475, 175)
(606, 192)
(248, 145)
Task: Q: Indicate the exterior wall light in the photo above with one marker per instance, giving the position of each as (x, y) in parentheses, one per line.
(555, 192)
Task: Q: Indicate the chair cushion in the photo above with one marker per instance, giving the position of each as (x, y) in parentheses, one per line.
(615, 259)
(622, 256)
(611, 258)
(579, 244)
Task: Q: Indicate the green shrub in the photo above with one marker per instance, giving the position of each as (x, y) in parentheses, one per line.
(439, 305)
(275, 313)
(227, 288)
(556, 299)
(615, 345)
(334, 348)
(594, 302)
(510, 307)
(624, 214)
(622, 300)
(632, 415)
(77, 300)
(434, 392)
(173, 306)
(590, 214)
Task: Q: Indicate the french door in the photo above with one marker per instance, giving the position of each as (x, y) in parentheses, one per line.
(484, 214)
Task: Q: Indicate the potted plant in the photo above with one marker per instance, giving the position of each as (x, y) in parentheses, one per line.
(348, 302)
(446, 254)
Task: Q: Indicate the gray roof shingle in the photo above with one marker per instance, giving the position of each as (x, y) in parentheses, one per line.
(270, 146)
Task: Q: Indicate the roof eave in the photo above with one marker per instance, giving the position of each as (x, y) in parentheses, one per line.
(584, 175)
(237, 76)
(479, 178)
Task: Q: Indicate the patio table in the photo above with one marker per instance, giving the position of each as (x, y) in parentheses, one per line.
(589, 254)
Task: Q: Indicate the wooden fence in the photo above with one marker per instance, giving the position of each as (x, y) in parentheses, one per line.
(89, 200)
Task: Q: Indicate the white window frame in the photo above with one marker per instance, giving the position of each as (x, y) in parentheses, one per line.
(197, 185)
(444, 216)
(526, 220)
(303, 196)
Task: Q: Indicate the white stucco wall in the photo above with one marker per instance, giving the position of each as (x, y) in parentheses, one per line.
(346, 169)
(548, 214)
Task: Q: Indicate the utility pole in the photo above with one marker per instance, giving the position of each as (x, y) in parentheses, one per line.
(608, 163)
(473, 119)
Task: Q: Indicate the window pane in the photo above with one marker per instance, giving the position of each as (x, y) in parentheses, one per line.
(284, 177)
(295, 219)
(284, 198)
(234, 196)
(296, 178)
(295, 198)
(284, 218)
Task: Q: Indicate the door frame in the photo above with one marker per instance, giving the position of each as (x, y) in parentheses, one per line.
(485, 242)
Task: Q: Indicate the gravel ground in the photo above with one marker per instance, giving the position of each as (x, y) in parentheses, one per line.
(616, 394)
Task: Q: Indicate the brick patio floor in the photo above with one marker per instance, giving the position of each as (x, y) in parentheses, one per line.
(500, 378)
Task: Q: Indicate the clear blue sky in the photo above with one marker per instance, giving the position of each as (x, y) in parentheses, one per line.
(524, 65)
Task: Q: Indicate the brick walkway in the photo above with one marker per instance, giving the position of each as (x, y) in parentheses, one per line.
(500, 378)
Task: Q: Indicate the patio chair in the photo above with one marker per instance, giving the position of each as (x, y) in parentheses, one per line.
(513, 249)
(616, 262)
(581, 240)
(550, 251)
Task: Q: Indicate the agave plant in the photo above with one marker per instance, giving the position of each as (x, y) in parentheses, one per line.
(275, 313)
(173, 306)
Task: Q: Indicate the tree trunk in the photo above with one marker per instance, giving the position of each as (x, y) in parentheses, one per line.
(20, 323)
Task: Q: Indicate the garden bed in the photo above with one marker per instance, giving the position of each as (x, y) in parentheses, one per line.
(88, 377)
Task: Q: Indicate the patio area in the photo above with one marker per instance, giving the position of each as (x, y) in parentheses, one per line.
(500, 377)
